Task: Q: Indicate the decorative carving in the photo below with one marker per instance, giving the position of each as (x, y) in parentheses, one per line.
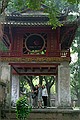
(35, 59)
(34, 43)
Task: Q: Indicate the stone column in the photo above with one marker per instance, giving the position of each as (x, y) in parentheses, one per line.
(4, 72)
(14, 89)
(4, 77)
(56, 88)
(63, 85)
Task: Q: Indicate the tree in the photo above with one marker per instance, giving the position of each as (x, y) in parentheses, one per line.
(49, 83)
(47, 80)
(3, 5)
(49, 5)
(75, 68)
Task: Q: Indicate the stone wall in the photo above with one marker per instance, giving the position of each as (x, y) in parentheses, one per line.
(47, 114)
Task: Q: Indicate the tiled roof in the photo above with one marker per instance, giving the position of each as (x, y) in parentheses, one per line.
(31, 19)
(25, 23)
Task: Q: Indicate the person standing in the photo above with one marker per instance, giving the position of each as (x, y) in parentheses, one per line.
(39, 96)
(44, 95)
(35, 96)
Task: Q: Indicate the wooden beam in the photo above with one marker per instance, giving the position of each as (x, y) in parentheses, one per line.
(15, 69)
(35, 65)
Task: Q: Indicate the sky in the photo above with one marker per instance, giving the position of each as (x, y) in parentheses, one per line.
(74, 57)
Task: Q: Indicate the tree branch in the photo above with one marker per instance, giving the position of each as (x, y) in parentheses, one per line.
(29, 81)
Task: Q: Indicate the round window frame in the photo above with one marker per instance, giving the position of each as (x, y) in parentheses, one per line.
(37, 51)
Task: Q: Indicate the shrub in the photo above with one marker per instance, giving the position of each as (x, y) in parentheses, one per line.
(22, 108)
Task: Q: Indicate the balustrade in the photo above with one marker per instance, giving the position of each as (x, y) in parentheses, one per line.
(19, 54)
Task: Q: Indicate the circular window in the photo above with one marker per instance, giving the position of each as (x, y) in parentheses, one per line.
(35, 43)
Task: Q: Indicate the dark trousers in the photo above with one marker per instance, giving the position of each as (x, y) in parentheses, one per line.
(45, 100)
(35, 101)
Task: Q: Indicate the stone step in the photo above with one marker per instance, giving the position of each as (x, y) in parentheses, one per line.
(46, 114)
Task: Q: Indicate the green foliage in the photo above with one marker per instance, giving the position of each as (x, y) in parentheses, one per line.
(53, 14)
(51, 8)
(75, 85)
(73, 1)
(22, 108)
(75, 68)
(31, 4)
(35, 4)
(17, 5)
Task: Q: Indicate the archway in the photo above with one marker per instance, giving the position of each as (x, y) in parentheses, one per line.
(29, 70)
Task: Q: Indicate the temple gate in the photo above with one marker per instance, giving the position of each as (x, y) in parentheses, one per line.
(34, 48)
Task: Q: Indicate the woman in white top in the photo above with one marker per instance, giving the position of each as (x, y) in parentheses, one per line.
(44, 95)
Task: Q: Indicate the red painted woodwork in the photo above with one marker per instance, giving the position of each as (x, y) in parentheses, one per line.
(57, 45)
(49, 54)
(34, 68)
(17, 40)
(55, 40)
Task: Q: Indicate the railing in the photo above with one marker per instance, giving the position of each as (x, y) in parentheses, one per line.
(49, 54)
(59, 54)
(65, 53)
